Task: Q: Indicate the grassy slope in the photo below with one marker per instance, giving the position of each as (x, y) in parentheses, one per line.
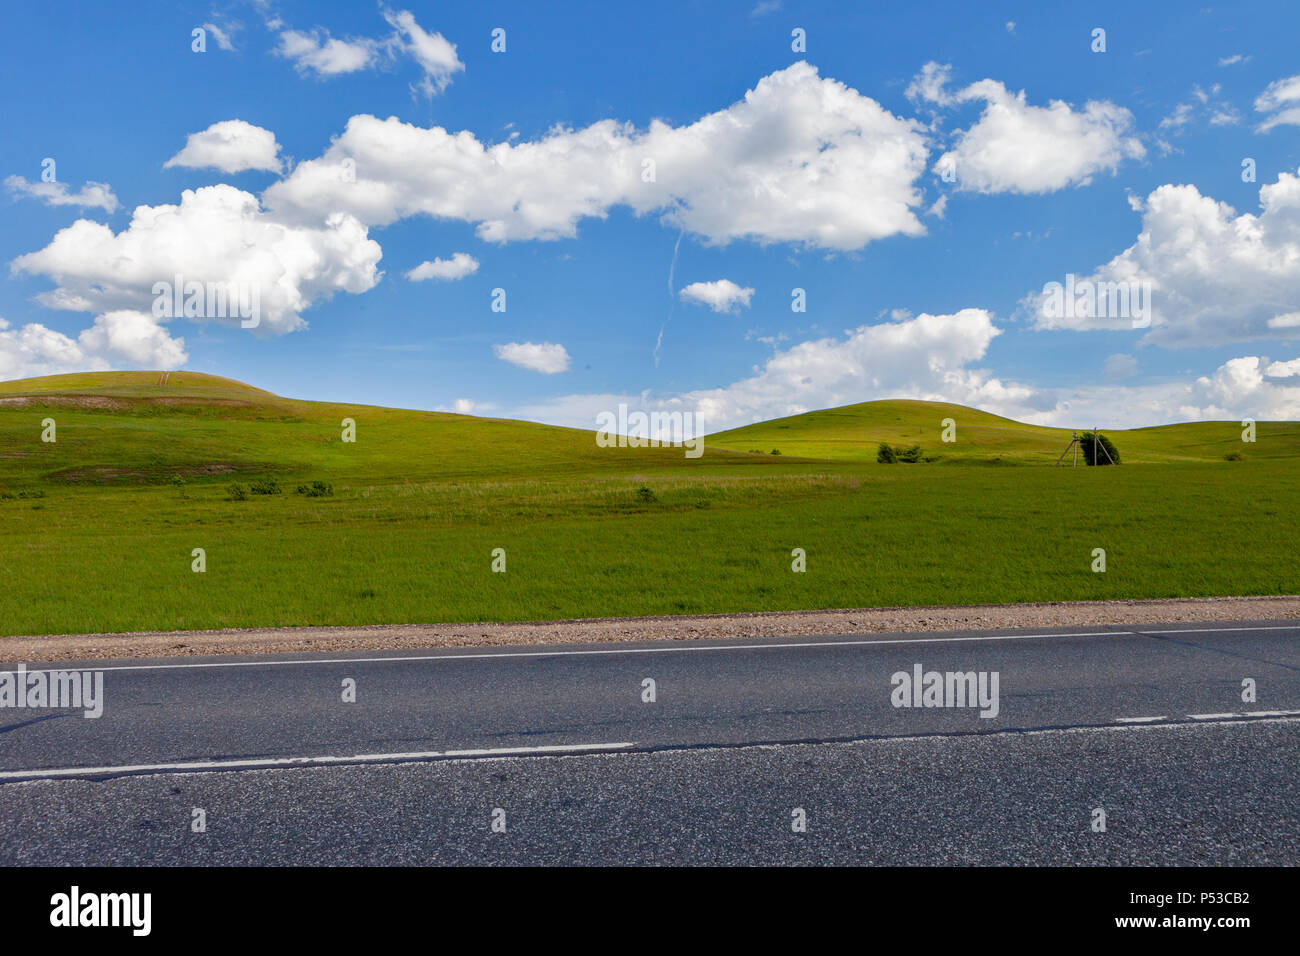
(421, 499)
(853, 432)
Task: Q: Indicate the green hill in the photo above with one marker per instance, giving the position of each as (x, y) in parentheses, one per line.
(853, 433)
(98, 529)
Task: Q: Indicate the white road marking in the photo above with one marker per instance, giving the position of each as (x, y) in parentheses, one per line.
(1284, 716)
(1247, 713)
(260, 762)
(1140, 720)
(685, 648)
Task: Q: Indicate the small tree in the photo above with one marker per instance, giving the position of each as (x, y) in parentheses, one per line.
(1098, 449)
(886, 455)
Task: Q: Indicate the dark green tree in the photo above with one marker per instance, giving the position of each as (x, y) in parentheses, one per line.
(1098, 449)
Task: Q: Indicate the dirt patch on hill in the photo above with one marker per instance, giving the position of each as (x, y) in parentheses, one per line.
(66, 401)
(1083, 614)
(112, 474)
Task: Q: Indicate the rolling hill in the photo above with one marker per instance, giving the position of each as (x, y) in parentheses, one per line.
(853, 432)
(99, 530)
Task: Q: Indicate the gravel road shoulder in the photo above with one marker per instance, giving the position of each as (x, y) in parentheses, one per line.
(282, 640)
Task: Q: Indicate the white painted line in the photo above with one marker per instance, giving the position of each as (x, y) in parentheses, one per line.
(683, 648)
(256, 763)
(1213, 716)
(1273, 713)
(686, 648)
(1140, 720)
(1220, 630)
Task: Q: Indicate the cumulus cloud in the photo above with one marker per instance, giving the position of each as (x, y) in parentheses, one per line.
(722, 295)
(90, 196)
(927, 357)
(231, 146)
(218, 234)
(800, 159)
(1247, 387)
(1018, 148)
(458, 266)
(118, 338)
(1280, 99)
(1215, 276)
(546, 358)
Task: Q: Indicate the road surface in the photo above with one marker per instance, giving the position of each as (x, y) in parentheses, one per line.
(570, 755)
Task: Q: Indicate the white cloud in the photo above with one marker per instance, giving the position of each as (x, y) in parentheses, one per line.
(457, 267)
(435, 55)
(1204, 106)
(722, 295)
(1233, 60)
(222, 36)
(231, 146)
(1015, 147)
(927, 357)
(90, 196)
(765, 7)
(935, 358)
(799, 159)
(120, 338)
(1215, 276)
(1281, 98)
(216, 234)
(545, 358)
(317, 52)
(1011, 26)
(1246, 387)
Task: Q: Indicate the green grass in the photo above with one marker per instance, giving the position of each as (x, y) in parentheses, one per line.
(421, 500)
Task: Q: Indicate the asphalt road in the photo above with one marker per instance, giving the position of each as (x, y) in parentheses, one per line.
(562, 747)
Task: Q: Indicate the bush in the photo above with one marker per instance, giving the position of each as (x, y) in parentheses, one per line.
(266, 486)
(238, 492)
(1234, 456)
(645, 495)
(1107, 453)
(888, 454)
(776, 451)
(317, 489)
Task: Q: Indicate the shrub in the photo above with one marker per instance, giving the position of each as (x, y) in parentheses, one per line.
(317, 489)
(645, 495)
(266, 486)
(776, 451)
(888, 454)
(238, 492)
(1106, 454)
(1234, 456)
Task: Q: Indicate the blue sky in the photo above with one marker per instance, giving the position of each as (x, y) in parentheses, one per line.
(776, 169)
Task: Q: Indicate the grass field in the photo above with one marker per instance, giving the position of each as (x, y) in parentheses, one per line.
(97, 528)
